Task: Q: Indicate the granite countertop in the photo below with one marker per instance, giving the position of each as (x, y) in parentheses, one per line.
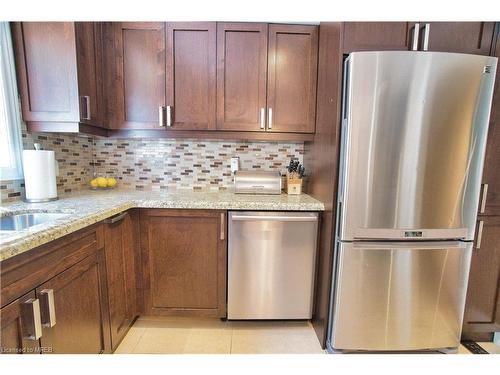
(88, 207)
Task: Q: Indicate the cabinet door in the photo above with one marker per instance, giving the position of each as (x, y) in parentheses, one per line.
(491, 172)
(241, 76)
(140, 70)
(14, 338)
(120, 273)
(377, 36)
(80, 306)
(461, 37)
(482, 310)
(47, 72)
(184, 262)
(88, 47)
(191, 72)
(292, 73)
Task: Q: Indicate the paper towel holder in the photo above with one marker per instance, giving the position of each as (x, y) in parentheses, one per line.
(32, 180)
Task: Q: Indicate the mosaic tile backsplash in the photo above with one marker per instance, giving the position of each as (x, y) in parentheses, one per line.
(186, 164)
(153, 164)
(73, 153)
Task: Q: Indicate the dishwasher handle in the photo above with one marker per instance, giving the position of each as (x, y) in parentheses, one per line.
(272, 218)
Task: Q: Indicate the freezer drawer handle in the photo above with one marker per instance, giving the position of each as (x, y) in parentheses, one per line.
(273, 218)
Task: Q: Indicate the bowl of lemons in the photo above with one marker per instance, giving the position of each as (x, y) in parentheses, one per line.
(103, 183)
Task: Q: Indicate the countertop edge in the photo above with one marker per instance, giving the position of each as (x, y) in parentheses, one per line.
(41, 237)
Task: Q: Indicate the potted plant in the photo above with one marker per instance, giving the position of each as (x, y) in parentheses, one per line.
(295, 172)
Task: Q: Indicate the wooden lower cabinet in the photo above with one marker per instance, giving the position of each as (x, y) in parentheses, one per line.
(80, 306)
(184, 262)
(62, 286)
(13, 340)
(482, 309)
(120, 272)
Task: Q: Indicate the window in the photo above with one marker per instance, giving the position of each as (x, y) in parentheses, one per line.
(10, 118)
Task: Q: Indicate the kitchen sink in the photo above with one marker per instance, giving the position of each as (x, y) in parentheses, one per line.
(27, 220)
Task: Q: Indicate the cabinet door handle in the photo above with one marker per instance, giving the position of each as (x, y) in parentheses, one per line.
(416, 30)
(30, 318)
(169, 116)
(427, 31)
(48, 308)
(483, 198)
(161, 116)
(222, 229)
(262, 117)
(86, 105)
(479, 234)
(270, 118)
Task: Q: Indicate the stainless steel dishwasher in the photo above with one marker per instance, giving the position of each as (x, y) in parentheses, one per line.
(271, 263)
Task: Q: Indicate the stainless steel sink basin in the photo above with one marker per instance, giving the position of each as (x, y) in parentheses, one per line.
(24, 221)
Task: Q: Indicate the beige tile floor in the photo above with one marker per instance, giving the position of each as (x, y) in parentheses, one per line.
(177, 335)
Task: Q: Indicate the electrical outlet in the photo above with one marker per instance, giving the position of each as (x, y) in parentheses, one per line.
(235, 164)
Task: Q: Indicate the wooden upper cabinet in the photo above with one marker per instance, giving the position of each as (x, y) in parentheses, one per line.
(377, 36)
(80, 309)
(140, 75)
(14, 337)
(292, 76)
(58, 71)
(47, 71)
(191, 72)
(482, 310)
(460, 37)
(241, 76)
(184, 261)
(120, 273)
(89, 67)
(491, 172)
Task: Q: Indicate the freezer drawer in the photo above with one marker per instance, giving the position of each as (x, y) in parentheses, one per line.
(271, 262)
(400, 296)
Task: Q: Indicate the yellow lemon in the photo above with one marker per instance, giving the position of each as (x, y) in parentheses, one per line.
(111, 182)
(102, 182)
(93, 183)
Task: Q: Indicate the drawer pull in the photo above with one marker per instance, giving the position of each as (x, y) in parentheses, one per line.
(116, 218)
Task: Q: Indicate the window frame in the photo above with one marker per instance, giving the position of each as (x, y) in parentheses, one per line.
(12, 110)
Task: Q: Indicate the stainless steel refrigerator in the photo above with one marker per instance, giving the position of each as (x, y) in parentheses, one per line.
(414, 133)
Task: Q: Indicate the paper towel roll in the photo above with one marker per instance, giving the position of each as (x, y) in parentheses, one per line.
(39, 175)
